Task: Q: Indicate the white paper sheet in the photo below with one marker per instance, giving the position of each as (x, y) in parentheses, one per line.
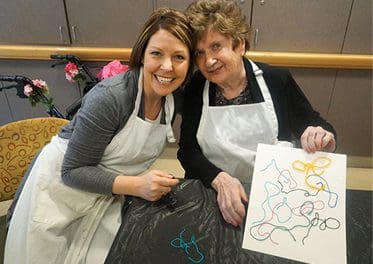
(297, 211)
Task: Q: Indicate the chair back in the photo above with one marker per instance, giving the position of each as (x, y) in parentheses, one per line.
(19, 142)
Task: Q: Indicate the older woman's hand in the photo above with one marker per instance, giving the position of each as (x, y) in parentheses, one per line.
(231, 196)
(316, 138)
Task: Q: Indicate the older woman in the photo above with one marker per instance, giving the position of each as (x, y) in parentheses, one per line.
(232, 104)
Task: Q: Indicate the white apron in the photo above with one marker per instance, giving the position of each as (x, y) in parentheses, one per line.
(229, 135)
(53, 223)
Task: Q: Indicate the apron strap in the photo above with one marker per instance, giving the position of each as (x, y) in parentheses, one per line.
(205, 96)
(169, 107)
(139, 93)
(266, 94)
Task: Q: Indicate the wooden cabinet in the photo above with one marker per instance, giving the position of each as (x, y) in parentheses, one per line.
(317, 85)
(278, 25)
(351, 111)
(33, 22)
(359, 31)
(110, 23)
(180, 4)
(343, 98)
(183, 4)
(351, 104)
(302, 25)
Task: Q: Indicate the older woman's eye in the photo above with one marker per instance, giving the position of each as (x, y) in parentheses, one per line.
(216, 46)
(199, 53)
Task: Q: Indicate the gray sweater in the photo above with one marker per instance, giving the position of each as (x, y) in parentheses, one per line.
(105, 111)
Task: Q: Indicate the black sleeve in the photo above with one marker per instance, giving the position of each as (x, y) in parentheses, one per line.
(293, 110)
(301, 112)
(195, 164)
(178, 100)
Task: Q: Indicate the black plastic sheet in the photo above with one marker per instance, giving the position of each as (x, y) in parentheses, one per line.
(359, 226)
(187, 227)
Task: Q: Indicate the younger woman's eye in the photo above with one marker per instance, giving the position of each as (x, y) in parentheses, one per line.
(155, 53)
(179, 57)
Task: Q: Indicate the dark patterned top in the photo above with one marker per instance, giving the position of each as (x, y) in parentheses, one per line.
(244, 97)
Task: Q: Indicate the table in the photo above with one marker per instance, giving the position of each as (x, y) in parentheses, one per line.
(188, 228)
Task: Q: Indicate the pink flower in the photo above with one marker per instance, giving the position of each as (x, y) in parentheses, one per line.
(37, 93)
(71, 71)
(27, 90)
(72, 75)
(111, 69)
(70, 66)
(40, 84)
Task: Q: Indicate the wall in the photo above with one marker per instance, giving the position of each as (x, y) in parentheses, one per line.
(344, 97)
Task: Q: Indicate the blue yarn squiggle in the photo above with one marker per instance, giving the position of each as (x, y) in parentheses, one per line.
(180, 243)
(268, 199)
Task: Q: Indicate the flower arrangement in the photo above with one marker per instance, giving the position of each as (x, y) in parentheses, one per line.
(38, 93)
(73, 73)
(111, 69)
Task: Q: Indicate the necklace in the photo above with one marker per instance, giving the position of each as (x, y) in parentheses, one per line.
(229, 93)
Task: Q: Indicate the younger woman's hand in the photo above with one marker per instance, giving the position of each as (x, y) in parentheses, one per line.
(155, 184)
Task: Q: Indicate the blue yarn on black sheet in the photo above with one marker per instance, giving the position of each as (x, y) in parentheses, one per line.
(148, 227)
(188, 247)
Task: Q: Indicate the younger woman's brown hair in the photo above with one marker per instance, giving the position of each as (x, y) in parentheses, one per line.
(171, 20)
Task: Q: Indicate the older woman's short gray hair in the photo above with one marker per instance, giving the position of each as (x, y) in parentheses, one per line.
(223, 16)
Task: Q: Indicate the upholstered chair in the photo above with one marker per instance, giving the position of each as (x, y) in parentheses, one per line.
(19, 142)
